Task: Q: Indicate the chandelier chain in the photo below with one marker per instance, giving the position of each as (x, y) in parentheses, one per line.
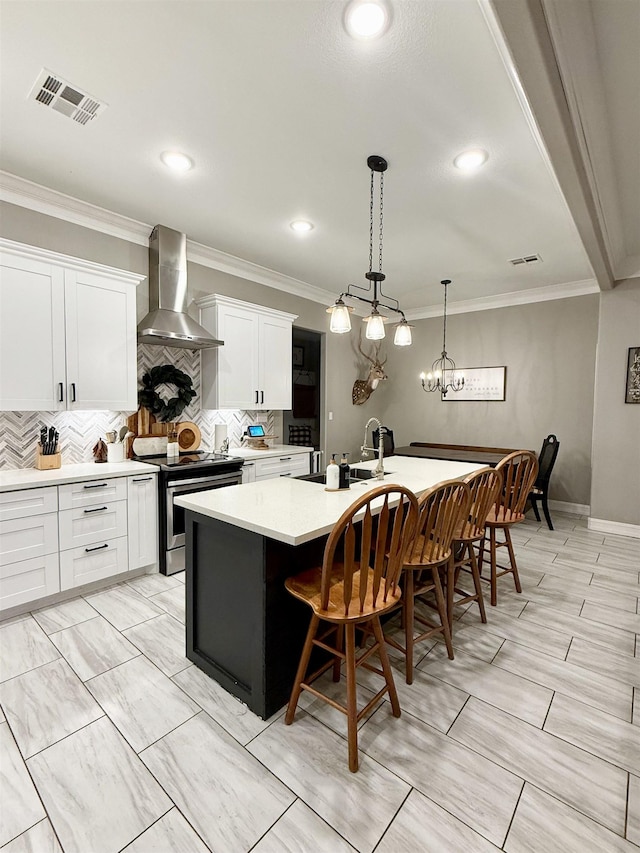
(381, 218)
(371, 224)
(444, 325)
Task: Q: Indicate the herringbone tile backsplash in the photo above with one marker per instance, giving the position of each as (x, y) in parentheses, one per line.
(79, 431)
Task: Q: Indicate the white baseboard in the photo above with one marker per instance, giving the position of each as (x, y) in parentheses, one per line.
(570, 508)
(619, 528)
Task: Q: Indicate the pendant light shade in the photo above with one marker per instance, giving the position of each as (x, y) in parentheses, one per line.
(340, 317)
(340, 321)
(402, 337)
(375, 326)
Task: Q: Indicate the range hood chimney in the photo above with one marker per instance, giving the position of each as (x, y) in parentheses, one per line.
(167, 323)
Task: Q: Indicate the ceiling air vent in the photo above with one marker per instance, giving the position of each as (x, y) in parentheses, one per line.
(63, 97)
(527, 259)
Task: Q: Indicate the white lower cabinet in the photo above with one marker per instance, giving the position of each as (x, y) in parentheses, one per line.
(143, 520)
(59, 537)
(249, 472)
(93, 562)
(28, 545)
(288, 465)
(29, 580)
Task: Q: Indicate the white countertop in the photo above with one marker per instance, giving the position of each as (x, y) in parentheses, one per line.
(275, 450)
(30, 478)
(297, 511)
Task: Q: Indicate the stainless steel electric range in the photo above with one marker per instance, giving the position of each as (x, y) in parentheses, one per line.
(182, 475)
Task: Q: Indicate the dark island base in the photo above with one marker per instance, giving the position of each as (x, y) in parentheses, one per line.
(243, 628)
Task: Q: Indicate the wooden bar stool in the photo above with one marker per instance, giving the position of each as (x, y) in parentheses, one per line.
(484, 486)
(358, 581)
(519, 471)
(442, 510)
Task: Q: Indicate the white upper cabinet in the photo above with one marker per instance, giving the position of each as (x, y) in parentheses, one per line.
(67, 332)
(253, 368)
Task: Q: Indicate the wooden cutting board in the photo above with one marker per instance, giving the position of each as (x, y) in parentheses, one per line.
(140, 423)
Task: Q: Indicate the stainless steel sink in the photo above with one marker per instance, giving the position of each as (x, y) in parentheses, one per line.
(357, 474)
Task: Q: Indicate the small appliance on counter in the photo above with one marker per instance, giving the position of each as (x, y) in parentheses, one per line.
(48, 457)
(256, 437)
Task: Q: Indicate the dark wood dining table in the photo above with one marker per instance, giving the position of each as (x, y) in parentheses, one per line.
(455, 452)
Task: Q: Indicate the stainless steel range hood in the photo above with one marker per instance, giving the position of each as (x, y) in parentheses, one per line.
(167, 323)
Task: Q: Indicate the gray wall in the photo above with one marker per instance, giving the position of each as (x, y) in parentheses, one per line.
(549, 351)
(615, 488)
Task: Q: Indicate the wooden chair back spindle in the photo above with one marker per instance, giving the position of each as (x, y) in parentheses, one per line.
(519, 471)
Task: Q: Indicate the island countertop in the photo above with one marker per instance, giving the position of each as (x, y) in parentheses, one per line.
(297, 511)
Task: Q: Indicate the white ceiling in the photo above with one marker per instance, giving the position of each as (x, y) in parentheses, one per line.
(279, 108)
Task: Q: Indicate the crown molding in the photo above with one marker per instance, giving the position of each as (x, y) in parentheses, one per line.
(23, 193)
(508, 300)
(205, 256)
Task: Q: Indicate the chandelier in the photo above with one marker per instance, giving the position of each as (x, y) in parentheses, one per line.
(443, 375)
(340, 311)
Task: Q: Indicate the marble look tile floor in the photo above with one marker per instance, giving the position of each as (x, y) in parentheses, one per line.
(111, 740)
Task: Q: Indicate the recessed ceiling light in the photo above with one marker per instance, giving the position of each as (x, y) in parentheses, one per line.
(301, 226)
(366, 19)
(176, 161)
(471, 160)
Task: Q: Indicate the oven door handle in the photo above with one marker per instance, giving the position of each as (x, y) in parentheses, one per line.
(231, 478)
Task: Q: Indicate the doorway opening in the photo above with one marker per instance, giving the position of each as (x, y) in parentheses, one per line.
(302, 425)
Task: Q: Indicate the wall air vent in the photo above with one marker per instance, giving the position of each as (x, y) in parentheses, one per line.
(63, 97)
(527, 259)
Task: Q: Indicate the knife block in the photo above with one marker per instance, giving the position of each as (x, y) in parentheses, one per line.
(47, 463)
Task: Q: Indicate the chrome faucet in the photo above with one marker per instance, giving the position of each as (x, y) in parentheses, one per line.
(378, 471)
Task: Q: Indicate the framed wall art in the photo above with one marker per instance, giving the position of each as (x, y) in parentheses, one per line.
(633, 376)
(298, 356)
(480, 383)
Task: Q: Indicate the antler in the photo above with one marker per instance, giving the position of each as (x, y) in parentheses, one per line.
(362, 352)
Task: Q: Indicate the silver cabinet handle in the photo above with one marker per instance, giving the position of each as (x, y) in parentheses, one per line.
(99, 509)
(142, 479)
(97, 548)
(95, 486)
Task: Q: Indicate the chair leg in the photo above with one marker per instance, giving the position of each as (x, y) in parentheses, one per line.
(494, 562)
(450, 576)
(386, 667)
(534, 507)
(408, 605)
(512, 560)
(352, 707)
(302, 670)
(545, 509)
(476, 582)
(481, 552)
(442, 610)
(340, 647)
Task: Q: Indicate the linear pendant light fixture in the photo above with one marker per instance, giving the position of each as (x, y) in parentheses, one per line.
(443, 376)
(340, 319)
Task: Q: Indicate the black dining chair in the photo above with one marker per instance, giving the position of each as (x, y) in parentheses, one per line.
(540, 490)
(388, 443)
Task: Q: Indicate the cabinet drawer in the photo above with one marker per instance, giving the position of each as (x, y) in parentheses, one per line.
(92, 493)
(24, 538)
(86, 525)
(93, 562)
(28, 502)
(28, 580)
(279, 466)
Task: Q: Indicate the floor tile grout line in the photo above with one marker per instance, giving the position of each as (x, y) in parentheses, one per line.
(173, 806)
(36, 789)
(397, 812)
(556, 690)
(513, 815)
(39, 666)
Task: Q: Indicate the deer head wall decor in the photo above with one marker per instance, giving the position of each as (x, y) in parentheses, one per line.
(364, 388)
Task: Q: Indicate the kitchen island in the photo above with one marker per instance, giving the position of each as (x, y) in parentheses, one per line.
(242, 542)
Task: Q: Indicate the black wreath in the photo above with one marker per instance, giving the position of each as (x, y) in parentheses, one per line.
(166, 374)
